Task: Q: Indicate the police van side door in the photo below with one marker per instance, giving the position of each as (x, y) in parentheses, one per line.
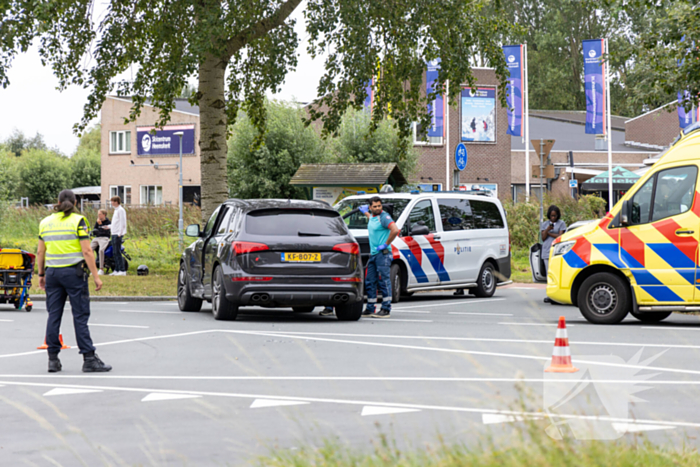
(457, 224)
(418, 251)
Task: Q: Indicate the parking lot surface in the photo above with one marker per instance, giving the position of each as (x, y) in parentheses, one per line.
(189, 390)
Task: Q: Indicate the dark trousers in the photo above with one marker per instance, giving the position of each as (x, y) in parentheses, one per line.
(117, 254)
(61, 283)
(378, 265)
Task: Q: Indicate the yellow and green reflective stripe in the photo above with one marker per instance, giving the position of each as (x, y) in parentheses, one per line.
(63, 259)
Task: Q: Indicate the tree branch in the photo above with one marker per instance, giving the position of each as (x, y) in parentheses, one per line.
(261, 28)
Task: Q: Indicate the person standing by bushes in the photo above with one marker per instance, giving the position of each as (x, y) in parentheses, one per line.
(118, 231)
(550, 229)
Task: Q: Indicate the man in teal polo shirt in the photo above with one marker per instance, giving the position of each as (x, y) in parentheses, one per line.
(382, 231)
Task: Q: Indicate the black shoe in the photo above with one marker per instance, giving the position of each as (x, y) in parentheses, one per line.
(328, 311)
(548, 300)
(54, 366)
(382, 314)
(367, 312)
(95, 365)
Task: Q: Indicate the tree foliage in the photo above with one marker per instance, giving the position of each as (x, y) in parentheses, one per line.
(9, 175)
(240, 50)
(86, 163)
(264, 171)
(18, 142)
(42, 175)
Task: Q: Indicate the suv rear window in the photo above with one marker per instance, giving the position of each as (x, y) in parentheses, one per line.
(295, 223)
(358, 221)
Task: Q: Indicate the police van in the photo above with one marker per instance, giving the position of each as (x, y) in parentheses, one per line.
(642, 257)
(447, 240)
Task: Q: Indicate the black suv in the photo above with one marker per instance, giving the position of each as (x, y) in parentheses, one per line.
(272, 253)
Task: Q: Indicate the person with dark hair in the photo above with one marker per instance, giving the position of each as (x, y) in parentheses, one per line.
(63, 260)
(550, 229)
(118, 230)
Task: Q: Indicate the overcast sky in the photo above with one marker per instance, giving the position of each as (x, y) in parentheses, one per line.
(32, 104)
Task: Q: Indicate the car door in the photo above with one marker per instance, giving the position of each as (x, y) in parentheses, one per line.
(660, 246)
(215, 243)
(457, 225)
(423, 252)
(201, 246)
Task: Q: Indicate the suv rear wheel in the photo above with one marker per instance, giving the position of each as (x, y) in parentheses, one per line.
(349, 311)
(604, 299)
(486, 282)
(221, 308)
(185, 300)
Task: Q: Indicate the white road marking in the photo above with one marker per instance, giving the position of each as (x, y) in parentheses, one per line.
(379, 410)
(409, 311)
(535, 324)
(404, 320)
(260, 403)
(479, 314)
(69, 391)
(478, 410)
(164, 396)
(453, 303)
(636, 427)
(674, 328)
(7, 320)
(119, 326)
(151, 311)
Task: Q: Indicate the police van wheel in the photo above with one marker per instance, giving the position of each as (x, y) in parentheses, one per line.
(486, 283)
(604, 299)
(395, 283)
(221, 307)
(185, 300)
(651, 317)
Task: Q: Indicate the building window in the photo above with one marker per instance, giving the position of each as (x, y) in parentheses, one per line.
(519, 192)
(119, 142)
(429, 140)
(123, 191)
(151, 194)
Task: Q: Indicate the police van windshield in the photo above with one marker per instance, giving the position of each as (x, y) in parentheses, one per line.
(358, 221)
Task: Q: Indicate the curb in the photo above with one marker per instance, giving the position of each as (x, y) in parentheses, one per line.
(42, 298)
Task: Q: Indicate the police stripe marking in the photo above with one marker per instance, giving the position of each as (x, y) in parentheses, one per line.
(435, 261)
(415, 266)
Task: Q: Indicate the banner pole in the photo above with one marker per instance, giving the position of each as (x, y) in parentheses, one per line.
(446, 122)
(527, 127)
(609, 111)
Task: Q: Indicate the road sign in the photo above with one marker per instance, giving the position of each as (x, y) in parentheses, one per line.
(573, 183)
(461, 156)
(546, 146)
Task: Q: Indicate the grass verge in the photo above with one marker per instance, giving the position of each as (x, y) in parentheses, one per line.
(154, 285)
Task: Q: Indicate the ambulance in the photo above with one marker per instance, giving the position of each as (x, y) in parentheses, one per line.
(642, 257)
(447, 240)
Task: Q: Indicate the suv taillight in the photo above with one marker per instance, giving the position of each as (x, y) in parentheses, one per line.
(350, 248)
(241, 248)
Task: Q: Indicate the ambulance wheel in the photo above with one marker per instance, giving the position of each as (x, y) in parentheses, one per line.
(604, 299)
(395, 283)
(486, 283)
(652, 317)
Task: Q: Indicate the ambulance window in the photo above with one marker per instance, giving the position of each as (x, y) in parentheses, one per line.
(422, 214)
(674, 192)
(455, 214)
(641, 202)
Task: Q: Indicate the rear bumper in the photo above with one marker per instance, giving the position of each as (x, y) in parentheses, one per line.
(276, 294)
(504, 268)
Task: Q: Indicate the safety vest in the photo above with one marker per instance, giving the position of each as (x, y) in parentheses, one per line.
(61, 237)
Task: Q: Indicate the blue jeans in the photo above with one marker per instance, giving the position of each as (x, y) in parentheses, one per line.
(117, 254)
(378, 265)
(62, 283)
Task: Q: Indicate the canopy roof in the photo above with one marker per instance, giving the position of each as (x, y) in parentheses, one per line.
(622, 178)
(348, 175)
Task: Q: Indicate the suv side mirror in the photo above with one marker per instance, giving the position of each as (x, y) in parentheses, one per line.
(420, 230)
(193, 231)
(625, 213)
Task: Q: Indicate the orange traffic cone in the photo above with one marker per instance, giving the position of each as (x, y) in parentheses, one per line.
(561, 355)
(60, 338)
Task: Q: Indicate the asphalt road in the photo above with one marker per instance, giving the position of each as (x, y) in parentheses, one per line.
(189, 390)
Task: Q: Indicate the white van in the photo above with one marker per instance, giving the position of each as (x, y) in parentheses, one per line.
(448, 240)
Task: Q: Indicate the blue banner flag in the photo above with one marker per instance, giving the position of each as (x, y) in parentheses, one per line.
(436, 107)
(686, 118)
(164, 141)
(369, 97)
(594, 71)
(514, 94)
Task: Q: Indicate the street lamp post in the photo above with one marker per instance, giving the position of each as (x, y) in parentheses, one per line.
(180, 222)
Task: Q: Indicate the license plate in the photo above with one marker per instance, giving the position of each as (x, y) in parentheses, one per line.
(301, 257)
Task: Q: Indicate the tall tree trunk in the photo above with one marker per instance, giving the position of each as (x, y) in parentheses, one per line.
(212, 138)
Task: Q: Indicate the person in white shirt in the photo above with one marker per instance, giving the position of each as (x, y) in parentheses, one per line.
(118, 229)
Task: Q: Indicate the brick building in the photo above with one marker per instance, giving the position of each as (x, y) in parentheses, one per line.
(143, 168)
(655, 129)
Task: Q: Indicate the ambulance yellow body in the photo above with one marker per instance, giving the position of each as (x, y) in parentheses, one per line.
(643, 256)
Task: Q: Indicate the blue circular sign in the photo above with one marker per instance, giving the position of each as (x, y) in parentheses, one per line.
(461, 156)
